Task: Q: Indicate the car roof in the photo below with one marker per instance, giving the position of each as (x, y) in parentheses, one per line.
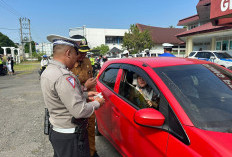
(159, 61)
(218, 51)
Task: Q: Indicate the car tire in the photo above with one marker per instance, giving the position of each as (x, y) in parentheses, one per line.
(97, 133)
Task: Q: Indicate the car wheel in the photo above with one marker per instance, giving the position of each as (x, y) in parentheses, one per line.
(97, 133)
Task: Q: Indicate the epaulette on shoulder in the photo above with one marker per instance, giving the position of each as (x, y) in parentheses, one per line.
(64, 71)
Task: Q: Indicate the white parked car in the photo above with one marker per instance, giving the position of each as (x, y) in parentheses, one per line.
(220, 57)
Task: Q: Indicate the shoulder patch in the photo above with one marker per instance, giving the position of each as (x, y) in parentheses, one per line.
(71, 80)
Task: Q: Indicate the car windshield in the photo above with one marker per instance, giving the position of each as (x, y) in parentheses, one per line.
(191, 54)
(205, 93)
(222, 55)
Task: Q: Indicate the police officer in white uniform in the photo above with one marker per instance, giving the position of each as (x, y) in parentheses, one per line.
(66, 101)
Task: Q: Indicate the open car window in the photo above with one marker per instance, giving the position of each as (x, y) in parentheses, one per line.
(143, 97)
(129, 91)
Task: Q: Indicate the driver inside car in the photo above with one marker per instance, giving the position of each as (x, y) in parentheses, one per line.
(146, 91)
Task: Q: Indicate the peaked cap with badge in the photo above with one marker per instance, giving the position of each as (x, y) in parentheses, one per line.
(60, 40)
(83, 47)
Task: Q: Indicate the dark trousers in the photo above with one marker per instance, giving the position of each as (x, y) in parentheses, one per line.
(70, 145)
(12, 68)
(1, 69)
(43, 68)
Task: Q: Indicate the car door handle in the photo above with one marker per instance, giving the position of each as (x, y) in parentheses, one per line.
(116, 112)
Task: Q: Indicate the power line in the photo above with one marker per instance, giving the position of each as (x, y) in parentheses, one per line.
(9, 29)
(9, 8)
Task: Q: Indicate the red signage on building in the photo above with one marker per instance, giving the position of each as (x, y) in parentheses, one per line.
(221, 9)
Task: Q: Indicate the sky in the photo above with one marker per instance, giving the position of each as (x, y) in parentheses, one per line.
(58, 16)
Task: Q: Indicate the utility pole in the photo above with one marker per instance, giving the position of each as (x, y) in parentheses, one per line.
(84, 31)
(25, 32)
(21, 37)
(30, 37)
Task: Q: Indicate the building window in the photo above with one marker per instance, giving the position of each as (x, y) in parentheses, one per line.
(114, 39)
(182, 46)
(192, 26)
(225, 45)
(230, 45)
(218, 45)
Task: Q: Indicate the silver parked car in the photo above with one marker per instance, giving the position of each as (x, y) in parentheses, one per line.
(220, 57)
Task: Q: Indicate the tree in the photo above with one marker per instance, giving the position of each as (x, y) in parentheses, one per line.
(103, 49)
(171, 26)
(137, 41)
(5, 42)
(147, 40)
(27, 47)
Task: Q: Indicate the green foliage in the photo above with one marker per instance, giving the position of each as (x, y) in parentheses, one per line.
(4, 60)
(147, 42)
(171, 26)
(27, 47)
(38, 55)
(137, 41)
(5, 42)
(103, 49)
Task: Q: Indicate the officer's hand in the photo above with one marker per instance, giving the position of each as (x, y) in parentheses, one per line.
(92, 94)
(90, 83)
(100, 100)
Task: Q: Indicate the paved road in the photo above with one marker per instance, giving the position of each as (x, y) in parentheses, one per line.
(22, 112)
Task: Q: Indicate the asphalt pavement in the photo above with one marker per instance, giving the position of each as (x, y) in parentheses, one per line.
(22, 114)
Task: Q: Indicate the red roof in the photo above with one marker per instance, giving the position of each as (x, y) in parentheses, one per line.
(208, 27)
(162, 35)
(188, 20)
(203, 2)
(200, 8)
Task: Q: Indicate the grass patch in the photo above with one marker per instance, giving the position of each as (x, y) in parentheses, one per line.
(27, 66)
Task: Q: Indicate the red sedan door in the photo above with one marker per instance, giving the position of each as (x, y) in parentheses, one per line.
(106, 87)
(133, 139)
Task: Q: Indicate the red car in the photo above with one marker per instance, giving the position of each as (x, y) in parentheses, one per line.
(166, 107)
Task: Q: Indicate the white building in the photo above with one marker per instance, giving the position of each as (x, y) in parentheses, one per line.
(46, 48)
(98, 36)
(201, 34)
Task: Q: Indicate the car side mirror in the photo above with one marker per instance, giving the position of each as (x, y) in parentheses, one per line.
(149, 117)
